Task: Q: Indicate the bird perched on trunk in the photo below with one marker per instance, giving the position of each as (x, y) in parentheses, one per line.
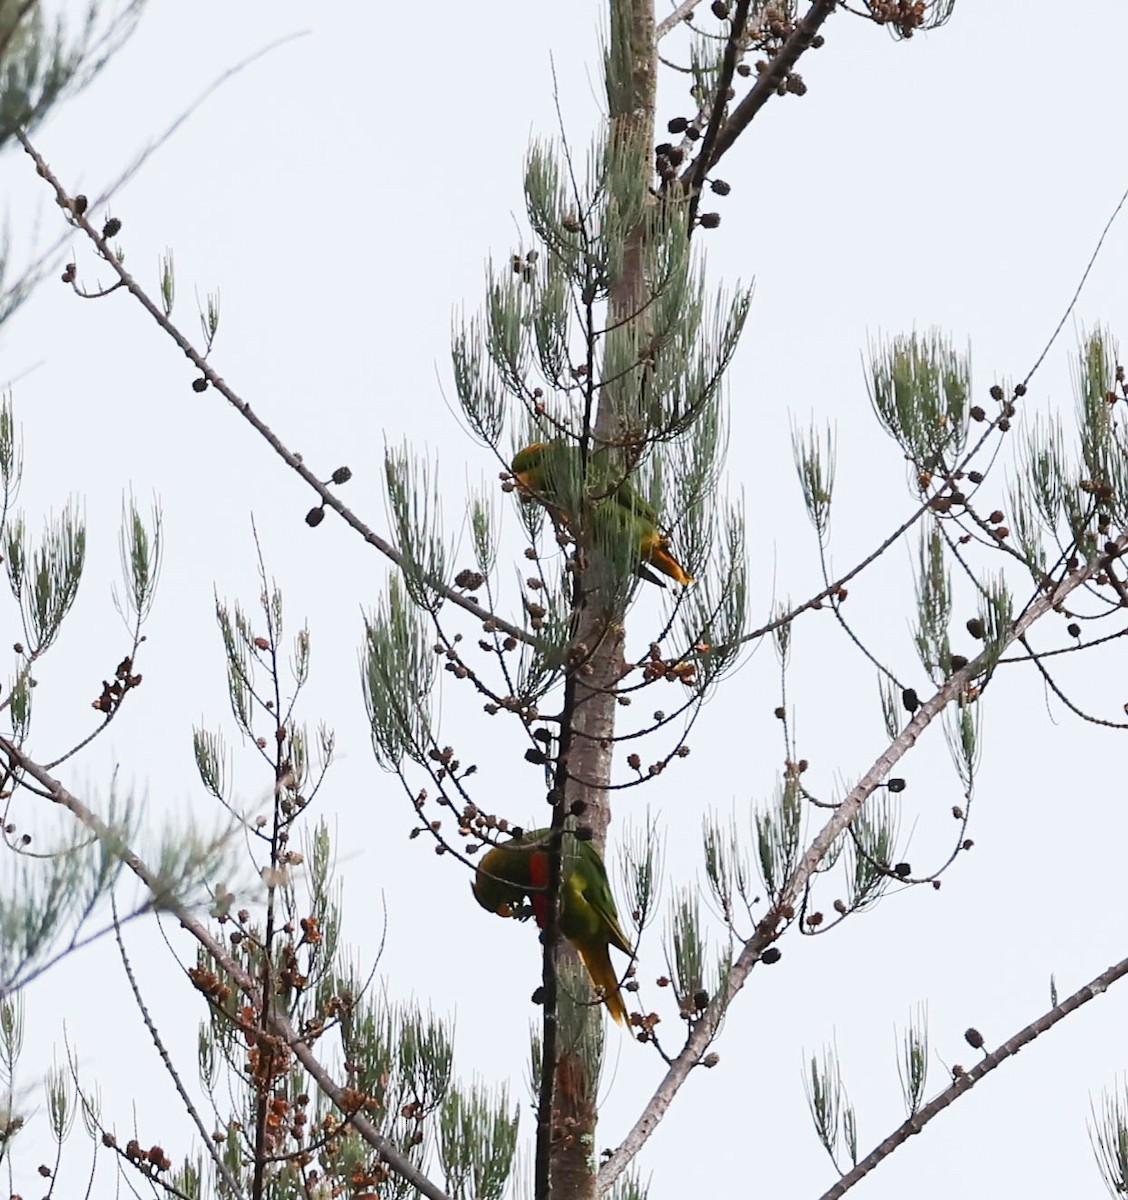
(516, 873)
(548, 473)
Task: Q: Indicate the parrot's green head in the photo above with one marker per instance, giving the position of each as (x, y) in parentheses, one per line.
(497, 882)
(490, 893)
(528, 459)
(511, 875)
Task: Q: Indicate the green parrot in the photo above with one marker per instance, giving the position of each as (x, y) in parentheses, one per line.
(517, 871)
(543, 472)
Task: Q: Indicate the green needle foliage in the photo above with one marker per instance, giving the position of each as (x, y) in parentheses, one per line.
(43, 59)
(778, 833)
(1108, 1132)
(687, 952)
(831, 1111)
(934, 603)
(726, 867)
(477, 1142)
(871, 852)
(630, 1187)
(141, 548)
(641, 855)
(44, 579)
(398, 675)
(413, 503)
(484, 522)
(815, 461)
(961, 730)
(919, 388)
(913, 1063)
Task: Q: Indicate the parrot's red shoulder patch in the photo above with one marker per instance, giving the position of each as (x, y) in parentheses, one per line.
(538, 877)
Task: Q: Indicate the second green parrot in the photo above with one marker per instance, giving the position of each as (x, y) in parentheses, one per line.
(544, 472)
(517, 872)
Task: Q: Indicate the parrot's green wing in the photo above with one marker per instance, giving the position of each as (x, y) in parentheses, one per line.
(589, 921)
(627, 497)
(592, 882)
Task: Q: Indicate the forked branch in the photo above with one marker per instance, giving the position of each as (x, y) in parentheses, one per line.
(721, 135)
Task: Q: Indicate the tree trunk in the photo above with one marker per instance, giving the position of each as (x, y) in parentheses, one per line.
(592, 717)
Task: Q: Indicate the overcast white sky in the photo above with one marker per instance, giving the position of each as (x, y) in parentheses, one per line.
(343, 194)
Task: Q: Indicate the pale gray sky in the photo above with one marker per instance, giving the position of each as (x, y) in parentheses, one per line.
(343, 194)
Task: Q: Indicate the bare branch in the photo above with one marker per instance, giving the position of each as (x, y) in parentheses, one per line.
(675, 18)
(965, 1080)
(769, 928)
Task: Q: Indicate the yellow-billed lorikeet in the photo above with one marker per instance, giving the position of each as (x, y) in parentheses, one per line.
(546, 472)
(517, 872)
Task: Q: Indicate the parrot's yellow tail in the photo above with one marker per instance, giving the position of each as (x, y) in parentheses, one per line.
(598, 963)
(656, 551)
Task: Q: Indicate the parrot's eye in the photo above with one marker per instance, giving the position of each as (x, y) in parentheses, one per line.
(505, 910)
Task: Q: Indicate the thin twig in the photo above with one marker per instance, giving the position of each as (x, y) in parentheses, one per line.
(1040, 654)
(816, 600)
(1081, 284)
(190, 111)
(1054, 687)
(205, 1136)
